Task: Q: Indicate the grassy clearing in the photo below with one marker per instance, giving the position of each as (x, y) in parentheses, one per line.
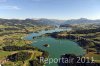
(4, 26)
(94, 55)
(4, 54)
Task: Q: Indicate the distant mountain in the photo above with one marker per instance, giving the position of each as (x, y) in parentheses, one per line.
(50, 21)
(26, 22)
(31, 22)
(81, 21)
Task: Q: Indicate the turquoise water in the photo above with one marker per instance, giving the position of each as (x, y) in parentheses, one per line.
(57, 47)
(29, 37)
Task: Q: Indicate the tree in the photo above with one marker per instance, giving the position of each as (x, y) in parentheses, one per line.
(20, 56)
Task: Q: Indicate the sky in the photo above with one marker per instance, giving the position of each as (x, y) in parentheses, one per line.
(51, 9)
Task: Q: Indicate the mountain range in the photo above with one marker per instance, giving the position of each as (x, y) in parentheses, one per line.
(29, 22)
(81, 21)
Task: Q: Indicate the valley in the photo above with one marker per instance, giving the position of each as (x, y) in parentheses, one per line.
(17, 42)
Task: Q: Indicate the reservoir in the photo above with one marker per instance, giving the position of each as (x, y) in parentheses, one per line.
(57, 47)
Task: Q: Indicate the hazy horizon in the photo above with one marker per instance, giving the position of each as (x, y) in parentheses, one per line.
(48, 18)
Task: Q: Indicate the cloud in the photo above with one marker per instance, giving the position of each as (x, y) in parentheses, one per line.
(10, 7)
(3, 1)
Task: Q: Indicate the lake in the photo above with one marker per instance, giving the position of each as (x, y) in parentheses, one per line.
(57, 47)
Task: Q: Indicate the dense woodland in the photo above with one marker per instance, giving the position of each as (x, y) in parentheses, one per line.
(20, 56)
(86, 31)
